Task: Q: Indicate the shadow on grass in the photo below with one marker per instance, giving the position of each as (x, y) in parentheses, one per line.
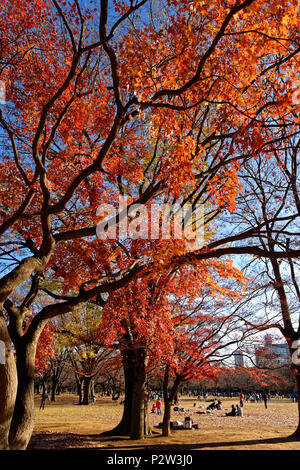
(70, 441)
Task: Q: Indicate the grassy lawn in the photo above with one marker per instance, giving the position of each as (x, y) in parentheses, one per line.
(64, 425)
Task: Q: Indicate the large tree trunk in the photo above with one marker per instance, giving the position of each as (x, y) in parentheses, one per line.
(168, 400)
(167, 405)
(8, 385)
(166, 419)
(123, 428)
(79, 385)
(23, 418)
(86, 390)
(54, 385)
(134, 420)
(147, 427)
(138, 395)
(93, 387)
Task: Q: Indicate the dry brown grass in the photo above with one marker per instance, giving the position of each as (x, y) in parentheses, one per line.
(65, 425)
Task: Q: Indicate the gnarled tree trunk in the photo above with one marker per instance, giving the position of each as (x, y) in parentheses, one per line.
(8, 385)
(123, 428)
(138, 394)
(23, 418)
(134, 420)
(168, 400)
(87, 381)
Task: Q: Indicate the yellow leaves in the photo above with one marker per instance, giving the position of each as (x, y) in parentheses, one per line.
(286, 20)
(84, 355)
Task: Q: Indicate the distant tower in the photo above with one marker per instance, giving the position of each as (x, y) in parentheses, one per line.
(238, 359)
(268, 342)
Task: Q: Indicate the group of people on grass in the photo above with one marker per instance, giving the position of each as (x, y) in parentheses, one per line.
(156, 408)
(215, 405)
(236, 410)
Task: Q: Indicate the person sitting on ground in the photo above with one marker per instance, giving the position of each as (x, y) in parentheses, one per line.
(153, 410)
(212, 406)
(233, 411)
(219, 405)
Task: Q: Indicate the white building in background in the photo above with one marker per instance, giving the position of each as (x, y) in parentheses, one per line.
(238, 358)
